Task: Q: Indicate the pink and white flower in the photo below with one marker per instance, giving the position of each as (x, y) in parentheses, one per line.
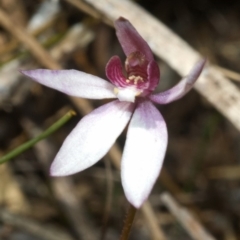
(94, 135)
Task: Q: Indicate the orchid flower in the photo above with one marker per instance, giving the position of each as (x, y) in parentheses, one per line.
(94, 135)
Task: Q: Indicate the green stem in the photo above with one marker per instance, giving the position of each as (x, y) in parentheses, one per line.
(128, 223)
(15, 152)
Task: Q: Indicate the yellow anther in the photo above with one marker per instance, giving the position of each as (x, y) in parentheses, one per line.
(116, 91)
(138, 93)
(135, 79)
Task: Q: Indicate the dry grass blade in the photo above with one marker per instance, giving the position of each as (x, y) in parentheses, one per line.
(21, 34)
(192, 226)
(229, 73)
(32, 227)
(225, 172)
(10, 192)
(152, 222)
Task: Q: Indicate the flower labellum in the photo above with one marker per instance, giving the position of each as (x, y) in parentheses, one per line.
(147, 137)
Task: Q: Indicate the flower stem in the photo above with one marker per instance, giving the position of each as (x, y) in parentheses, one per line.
(128, 223)
(20, 149)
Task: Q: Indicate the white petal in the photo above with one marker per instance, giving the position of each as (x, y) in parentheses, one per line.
(143, 153)
(180, 89)
(91, 138)
(127, 94)
(73, 82)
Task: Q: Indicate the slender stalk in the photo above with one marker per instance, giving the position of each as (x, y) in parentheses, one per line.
(15, 152)
(128, 223)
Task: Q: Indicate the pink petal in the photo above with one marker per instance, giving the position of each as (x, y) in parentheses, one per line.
(130, 39)
(73, 82)
(91, 139)
(143, 153)
(114, 72)
(153, 75)
(181, 88)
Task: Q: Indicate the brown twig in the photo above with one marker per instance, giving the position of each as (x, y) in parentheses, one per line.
(36, 49)
(83, 6)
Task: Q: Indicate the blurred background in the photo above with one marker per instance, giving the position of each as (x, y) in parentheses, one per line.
(201, 168)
